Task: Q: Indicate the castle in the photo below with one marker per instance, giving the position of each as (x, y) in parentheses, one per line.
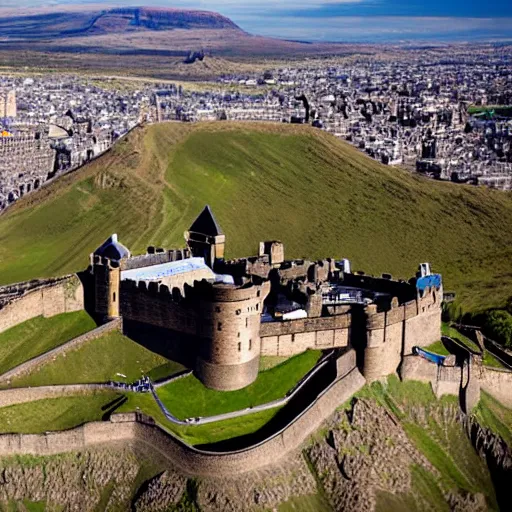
(221, 316)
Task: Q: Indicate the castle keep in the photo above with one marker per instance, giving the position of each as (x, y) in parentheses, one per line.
(221, 316)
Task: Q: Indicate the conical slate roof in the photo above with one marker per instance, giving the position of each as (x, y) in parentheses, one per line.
(112, 249)
(205, 224)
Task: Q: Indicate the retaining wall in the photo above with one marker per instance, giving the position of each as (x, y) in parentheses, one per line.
(134, 428)
(496, 382)
(23, 395)
(32, 364)
(47, 299)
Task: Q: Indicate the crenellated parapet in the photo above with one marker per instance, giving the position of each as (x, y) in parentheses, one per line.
(392, 333)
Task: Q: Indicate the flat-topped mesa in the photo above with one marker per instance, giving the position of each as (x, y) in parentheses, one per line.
(225, 314)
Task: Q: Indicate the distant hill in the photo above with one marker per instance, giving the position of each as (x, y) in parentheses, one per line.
(73, 36)
(46, 26)
(317, 194)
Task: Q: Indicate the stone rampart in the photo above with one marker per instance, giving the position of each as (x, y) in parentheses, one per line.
(295, 336)
(46, 298)
(134, 428)
(154, 305)
(496, 382)
(23, 395)
(32, 364)
(392, 334)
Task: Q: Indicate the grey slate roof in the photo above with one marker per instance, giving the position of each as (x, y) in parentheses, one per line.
(206, 224)
(113, 249)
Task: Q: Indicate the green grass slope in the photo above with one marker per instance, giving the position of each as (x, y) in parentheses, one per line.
(39, 335)
(56, 413)
(319, 195)
(99, 360)
(188, 397)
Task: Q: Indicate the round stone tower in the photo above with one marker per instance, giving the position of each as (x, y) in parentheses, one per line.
(230, 353)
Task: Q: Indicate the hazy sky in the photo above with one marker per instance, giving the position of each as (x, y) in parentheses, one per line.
(350, 20)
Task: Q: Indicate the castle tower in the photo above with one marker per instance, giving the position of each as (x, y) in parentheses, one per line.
(205, 237)
(275, 251)
(230, 353)
(105, 262)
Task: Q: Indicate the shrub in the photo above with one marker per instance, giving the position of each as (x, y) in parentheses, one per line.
(498, 326)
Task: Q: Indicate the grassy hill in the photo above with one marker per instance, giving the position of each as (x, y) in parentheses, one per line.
(317, 194)
(39, 335)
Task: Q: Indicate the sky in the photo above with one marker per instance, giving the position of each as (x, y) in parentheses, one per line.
(347, 20)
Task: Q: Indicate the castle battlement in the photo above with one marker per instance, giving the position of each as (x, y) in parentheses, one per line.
(232, 312)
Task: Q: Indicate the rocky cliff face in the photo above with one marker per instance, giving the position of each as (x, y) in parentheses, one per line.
(367, 458)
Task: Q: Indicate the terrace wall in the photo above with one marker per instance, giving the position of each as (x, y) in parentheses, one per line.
(48, 299)
(135, 428)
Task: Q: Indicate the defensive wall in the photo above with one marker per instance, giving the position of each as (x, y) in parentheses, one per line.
(392, 334)
(23, 301)
(465, 381)
(496, 382)
(139, 429)
(34, 363)
(23, 395)
(296, 336)
(222, 322)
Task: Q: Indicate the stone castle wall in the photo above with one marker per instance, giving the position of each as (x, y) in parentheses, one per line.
(134, 428)
(295, 336)
(23, 395)
(48, 299)
(154, 305)
(392, 334)
(496, 382)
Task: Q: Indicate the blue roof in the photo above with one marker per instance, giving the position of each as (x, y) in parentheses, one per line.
(156, 272)
(433, 280)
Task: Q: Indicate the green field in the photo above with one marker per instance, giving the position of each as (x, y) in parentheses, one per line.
(198, 434)
(99, 360)
(188, 397)
(317, 194)
(55, 413)
(38, 335)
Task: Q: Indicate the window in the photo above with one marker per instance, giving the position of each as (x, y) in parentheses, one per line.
(258, 293)
(246, 322)
(219, 326)
(238, 311)
(257, 307)
(217, 309)
(114, 297)
(250, 345)
(239, 346)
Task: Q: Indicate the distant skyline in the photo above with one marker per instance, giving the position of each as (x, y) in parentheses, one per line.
(344, 20)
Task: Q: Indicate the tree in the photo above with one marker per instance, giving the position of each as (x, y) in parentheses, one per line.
(498, 327)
